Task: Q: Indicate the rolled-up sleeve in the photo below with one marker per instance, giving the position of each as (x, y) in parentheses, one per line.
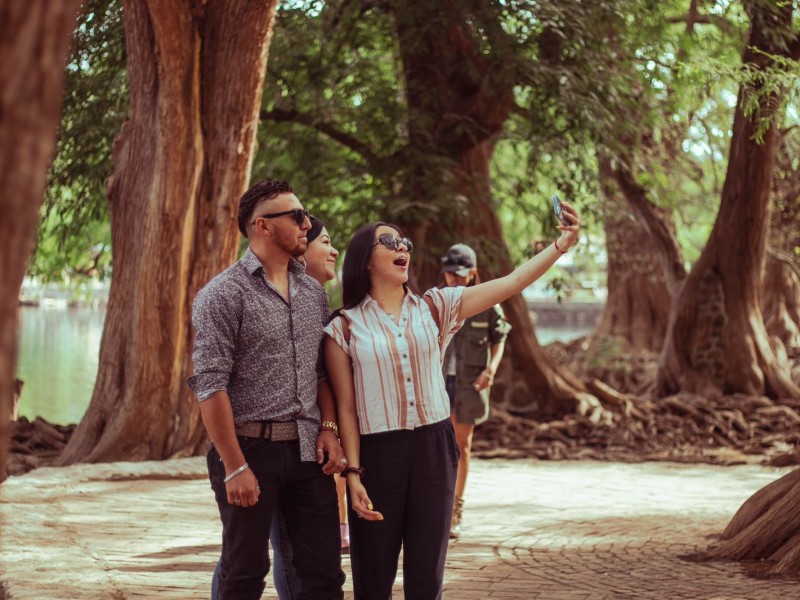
(335, 330)
(215, 320)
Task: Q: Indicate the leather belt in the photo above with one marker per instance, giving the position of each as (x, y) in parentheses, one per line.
(274, 431)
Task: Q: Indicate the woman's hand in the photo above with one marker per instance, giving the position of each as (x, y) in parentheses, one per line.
(569, 233)
(484, 380)
(361, 502)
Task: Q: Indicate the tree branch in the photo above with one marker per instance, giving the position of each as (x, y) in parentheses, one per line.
(656, 224)
(698, 19)
(345, 139)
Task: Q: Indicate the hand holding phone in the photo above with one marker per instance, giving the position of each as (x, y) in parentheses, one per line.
(559, 211)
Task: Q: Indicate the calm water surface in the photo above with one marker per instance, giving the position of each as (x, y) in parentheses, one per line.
(58, 359)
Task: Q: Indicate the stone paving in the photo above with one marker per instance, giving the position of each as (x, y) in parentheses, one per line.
(533, 530)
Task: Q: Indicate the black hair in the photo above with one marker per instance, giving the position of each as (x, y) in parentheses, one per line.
(317, 225)
(266, 189)
(355, 271)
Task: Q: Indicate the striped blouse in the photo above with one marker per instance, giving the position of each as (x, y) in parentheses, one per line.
(397, 369)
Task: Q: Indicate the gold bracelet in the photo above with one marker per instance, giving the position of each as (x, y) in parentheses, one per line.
(330, 426)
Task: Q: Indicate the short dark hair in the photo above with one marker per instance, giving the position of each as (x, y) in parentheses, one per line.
(266, 189)
(317, 225)
(355, 270)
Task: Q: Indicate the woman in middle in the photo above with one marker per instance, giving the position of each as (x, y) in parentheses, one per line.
(383, 352)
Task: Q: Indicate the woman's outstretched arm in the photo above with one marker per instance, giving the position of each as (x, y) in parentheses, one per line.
(478, 298)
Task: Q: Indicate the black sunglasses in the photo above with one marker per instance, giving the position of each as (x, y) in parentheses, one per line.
(299, 214)
(393, 243)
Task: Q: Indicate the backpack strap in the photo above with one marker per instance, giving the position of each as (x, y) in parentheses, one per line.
(345, 328)
(435, 315)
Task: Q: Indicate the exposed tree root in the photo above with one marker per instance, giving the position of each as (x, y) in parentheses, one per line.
(766, 528)
(636, 427)
(35, 444)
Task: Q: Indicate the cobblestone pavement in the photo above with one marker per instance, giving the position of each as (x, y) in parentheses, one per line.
(532, 530)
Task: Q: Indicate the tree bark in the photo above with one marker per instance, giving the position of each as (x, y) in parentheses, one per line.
(637, 306)
(716, 341)
(660, 226)
(182, 160)
(781, 300)
(459, 98)
(766, 528)
(34, 44)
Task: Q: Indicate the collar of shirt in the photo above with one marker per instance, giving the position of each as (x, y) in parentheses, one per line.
(252, 263)
(409, 297)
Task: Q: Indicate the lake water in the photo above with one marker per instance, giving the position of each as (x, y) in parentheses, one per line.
(58, 359)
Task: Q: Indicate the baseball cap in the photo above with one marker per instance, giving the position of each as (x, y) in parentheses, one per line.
(459, 259)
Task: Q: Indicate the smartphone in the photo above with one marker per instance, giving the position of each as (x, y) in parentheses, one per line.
(559, 210)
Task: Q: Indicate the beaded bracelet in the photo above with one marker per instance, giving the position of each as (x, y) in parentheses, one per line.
(357, 470)
(235, 473)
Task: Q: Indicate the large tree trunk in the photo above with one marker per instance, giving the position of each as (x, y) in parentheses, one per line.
(637, 306)
(459, 98)
(781, 302)
(658, 223)
(766, 528)
(34, 43)
(716, 342)
(781, 299)
(182, 160)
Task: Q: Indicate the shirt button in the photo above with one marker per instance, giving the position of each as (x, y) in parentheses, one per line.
(412, 404)
(405, 355)
(408, 379)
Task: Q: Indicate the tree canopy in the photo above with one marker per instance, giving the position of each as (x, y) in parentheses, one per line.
(657, 96)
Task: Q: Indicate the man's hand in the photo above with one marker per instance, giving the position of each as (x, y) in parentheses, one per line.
(328, 444)
(243, 489)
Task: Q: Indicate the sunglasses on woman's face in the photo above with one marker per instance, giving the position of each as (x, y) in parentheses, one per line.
(299, 215)
(393, 242)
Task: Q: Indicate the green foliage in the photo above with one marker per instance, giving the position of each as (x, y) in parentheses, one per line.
(333, 113)
(74, 237)
(625, 78)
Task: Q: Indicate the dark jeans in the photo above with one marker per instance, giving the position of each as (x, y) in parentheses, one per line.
(308, 503)
(287, 586)
(410, 477)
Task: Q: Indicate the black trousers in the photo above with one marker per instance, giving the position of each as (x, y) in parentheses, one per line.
(308, 503)
(410, 476)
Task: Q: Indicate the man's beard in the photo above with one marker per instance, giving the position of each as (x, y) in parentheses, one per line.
(294, 249)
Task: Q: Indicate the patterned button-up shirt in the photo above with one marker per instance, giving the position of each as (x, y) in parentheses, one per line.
(261, 349)
(397, 368)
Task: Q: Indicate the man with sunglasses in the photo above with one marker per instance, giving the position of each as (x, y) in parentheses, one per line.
(258, 328)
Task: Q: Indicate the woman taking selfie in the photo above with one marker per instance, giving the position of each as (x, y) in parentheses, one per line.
(383, 352)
